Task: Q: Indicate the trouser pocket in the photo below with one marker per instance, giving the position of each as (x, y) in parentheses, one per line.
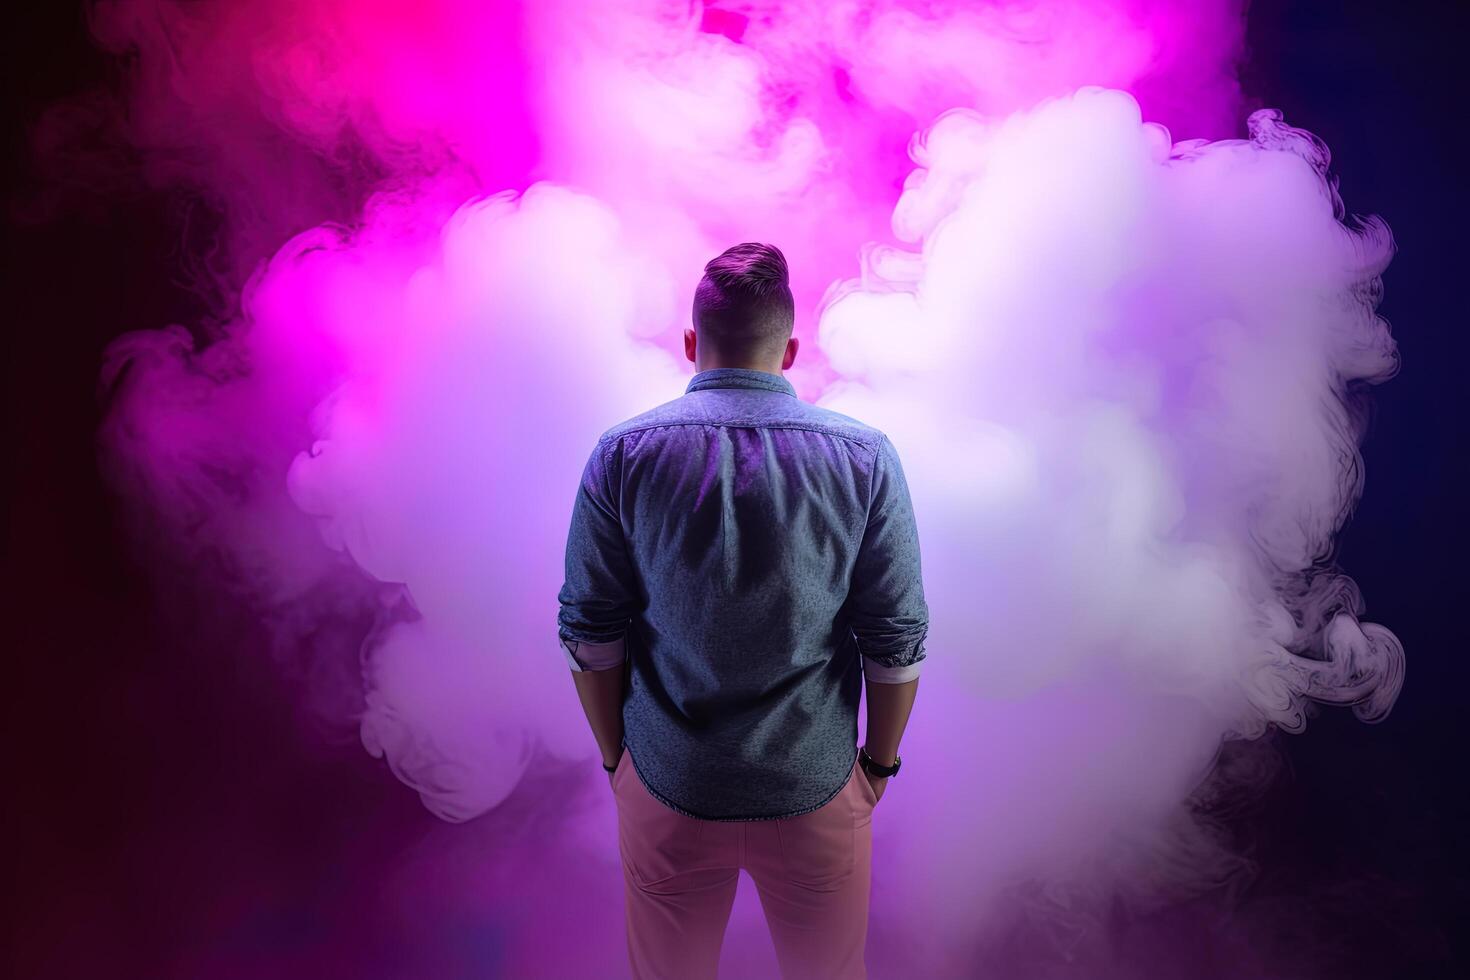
(819, 849)
(657, 844)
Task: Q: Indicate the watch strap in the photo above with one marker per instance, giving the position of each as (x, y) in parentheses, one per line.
(873, 769)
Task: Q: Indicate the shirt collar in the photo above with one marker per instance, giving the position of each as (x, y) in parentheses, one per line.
(727, 377)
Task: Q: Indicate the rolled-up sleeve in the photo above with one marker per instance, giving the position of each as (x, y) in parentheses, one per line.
(599, 594)
(890, 618)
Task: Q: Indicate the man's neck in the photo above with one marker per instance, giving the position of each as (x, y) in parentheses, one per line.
(768, 369)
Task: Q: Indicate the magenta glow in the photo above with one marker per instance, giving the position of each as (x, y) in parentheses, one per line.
(1111, 330)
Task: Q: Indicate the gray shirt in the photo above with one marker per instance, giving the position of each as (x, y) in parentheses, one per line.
(752, 556)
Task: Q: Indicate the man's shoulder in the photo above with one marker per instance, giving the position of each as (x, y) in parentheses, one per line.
(793, 414)
(664, 414)
(843, 425)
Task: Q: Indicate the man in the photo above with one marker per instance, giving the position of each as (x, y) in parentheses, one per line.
(749, 558)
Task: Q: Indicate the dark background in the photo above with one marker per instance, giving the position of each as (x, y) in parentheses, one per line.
(127, 728)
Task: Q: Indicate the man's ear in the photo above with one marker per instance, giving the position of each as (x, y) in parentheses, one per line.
(690, 342)
(791, 346)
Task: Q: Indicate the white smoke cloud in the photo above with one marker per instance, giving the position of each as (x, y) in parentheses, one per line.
(448, 461)
(1119, 375)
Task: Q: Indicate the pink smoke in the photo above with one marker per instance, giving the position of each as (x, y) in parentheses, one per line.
(463, 238)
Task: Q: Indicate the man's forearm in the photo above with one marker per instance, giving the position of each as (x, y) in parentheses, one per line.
(601, 693)
(888, 714)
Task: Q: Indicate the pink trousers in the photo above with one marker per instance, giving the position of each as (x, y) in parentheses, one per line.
(812, 872)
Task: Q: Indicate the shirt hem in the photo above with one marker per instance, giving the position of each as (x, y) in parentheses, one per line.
(779, 816)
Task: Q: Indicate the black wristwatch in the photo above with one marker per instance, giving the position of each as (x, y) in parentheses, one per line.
(873, 769)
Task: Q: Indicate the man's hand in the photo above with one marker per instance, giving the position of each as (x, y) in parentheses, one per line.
(879, 784)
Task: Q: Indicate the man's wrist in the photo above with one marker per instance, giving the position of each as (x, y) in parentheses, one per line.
(884, 759)
(871, 764)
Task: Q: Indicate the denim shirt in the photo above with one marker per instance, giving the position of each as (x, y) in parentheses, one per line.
(749, 554)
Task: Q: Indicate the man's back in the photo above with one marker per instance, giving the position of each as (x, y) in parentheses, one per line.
(750, 547)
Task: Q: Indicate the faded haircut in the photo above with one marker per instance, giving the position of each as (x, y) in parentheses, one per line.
(743, 307)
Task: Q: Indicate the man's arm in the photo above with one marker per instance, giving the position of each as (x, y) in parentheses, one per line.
(598, 598)
(601, 693)
(890, 616)
(888, 715)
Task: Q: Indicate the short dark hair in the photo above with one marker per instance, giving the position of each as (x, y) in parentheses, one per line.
(743, 306)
